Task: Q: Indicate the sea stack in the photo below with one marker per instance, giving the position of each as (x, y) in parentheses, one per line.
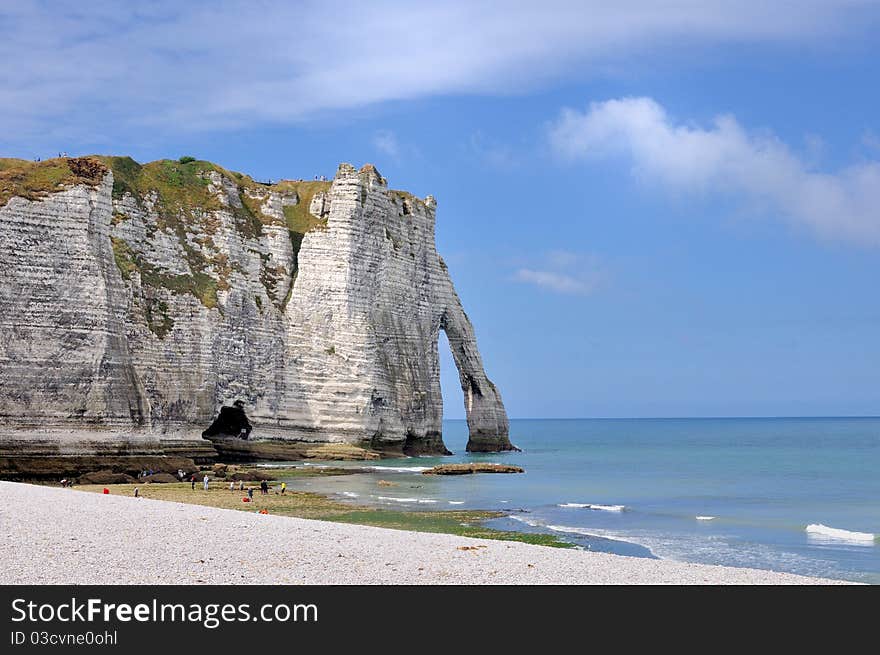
(138, 300)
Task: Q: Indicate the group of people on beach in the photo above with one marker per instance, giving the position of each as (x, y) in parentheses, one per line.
(264, 486)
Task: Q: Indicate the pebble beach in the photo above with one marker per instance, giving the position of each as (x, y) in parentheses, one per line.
(63, 536)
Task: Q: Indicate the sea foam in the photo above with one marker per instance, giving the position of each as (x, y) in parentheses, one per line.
(573, 530)
(601, 508)
(820, 531)
(398, 469)
(531, 522)
(406, 500)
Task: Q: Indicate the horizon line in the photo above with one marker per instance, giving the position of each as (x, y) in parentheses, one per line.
(672, 418)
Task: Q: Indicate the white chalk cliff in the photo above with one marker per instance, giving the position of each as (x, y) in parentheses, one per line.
(129, 314)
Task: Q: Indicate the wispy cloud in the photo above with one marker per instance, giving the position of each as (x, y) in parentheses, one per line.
(385, 141)
(559, 282)
(166, 66)
(563, 272)
(726, 158)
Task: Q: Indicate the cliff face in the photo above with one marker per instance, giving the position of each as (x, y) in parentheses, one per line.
(136, 300)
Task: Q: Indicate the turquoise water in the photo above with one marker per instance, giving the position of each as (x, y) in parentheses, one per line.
(763, 480)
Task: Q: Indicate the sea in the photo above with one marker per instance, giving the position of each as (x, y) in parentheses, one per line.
(800, 495)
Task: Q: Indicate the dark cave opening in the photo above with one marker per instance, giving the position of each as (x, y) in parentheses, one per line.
(230, 422)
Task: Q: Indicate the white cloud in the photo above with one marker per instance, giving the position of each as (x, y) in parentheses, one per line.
(165, 66)
(726, 158)
(559, 282)
(385, 141)
(564, 272)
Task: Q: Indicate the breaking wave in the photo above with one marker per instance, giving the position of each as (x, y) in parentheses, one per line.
(705, 518)
(823, 532)
(573, 530)
(533, 523)
(406, 500)
(602, 508)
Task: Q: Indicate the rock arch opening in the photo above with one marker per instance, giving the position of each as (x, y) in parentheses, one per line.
(486, 418)
(453, 418)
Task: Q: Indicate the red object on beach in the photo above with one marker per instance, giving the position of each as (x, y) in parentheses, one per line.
(245, 500)
(106, 490)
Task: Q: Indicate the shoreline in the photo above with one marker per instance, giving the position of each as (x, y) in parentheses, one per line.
(68, 536)
(320, 506)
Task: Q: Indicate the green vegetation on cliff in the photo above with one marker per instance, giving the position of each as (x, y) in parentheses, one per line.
(199, 284)
(34, 180)
(158, 319)
(299, 219)
(185, 198)
(181, 189)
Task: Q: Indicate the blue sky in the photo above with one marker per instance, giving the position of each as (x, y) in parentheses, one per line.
(647, 211)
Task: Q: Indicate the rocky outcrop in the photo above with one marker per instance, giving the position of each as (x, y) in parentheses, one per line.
(472, 467)
(135, 301)
(105, 477)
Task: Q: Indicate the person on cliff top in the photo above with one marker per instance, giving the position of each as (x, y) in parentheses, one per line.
(232, 421)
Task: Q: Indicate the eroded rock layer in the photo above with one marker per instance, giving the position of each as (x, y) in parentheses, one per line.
(135, 301)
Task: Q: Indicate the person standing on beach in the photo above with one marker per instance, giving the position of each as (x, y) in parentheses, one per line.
(264, 488)
(205, 481)
(251, 493)
(192, 479)
(283, 488)
(232, 486)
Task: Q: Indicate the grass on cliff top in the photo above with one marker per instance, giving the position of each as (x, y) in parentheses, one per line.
(182, 194)
(465, 523)
(33, 180)
(182, 191)
(183, 199)
(299, 219)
